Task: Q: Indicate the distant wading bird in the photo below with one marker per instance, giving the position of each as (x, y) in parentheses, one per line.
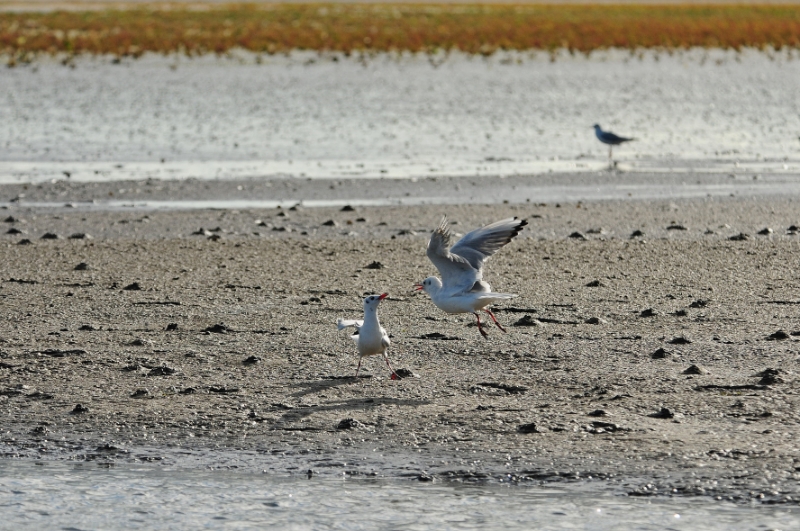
(462, 288)
(607, 137)
(370, 337)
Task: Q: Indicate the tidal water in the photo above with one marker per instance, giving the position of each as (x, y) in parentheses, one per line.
(83, 496)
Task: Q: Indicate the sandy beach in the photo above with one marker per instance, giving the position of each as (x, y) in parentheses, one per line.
(655, 363)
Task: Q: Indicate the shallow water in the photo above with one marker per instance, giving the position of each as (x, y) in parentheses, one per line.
(85, 496)
(388, 116)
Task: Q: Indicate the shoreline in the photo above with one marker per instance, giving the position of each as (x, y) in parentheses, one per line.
(598, 366)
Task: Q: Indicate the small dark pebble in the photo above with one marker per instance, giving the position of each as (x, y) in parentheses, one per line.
(677, 227)
(223, 390)
(348, 424)
(770, 377)
(528, 428)
(664, 413)
(361, 220)
(347, 208)
(11, 219)
(88, 328)
(140, 393)
(699, 303)
(595, 284)
(637, 234)
(659, 354)
(49, 236)
(161, 371)
(597, 413)
(24, 241)
(595, 321)
(375, 265)
(680, 313)
(172, 327)
(740, 237)
(765, 231)
(577, 235)
(80, 236)
(252, 360)
(188, 391)
(679, 340)
(649, 312)
(330, 223)
(79, 408)
(425, 477)
(14, 230)
(406, 373)
(218, 329)
(132, 287)
(527, 320)
(778, 336)
(694, 369)
(83, 266)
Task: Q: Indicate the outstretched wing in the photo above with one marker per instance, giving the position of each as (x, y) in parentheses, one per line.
(477, 246)
(454, 269)
(341, 324)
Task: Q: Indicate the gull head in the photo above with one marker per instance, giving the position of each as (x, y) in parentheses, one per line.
(429, 285)
(597, 127)
(373, 301)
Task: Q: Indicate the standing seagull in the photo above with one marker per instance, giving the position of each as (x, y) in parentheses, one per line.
(462, 288)
(370, 337)
(607, 137)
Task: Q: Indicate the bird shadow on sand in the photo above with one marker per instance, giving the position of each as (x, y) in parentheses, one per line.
(316, 386)
(353, 404)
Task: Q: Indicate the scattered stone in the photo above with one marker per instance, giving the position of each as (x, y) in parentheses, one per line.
(14, 230)
(24, 241)
(660, 354)
(649, 312)
(132, 367)
(528, 428)
(527, 320)
(425, 477)
(407, 232)
(664, 413)
(595, 284)
(361, 220)
(677, 227)
(218, 329)
(596, 321)
(188, 391)
(765, 231)
(511, 389)
(281, 229)
(406, 373)
(598, 413)
(79, 408)
(770, 377)
(637, 234)
(680, 340)
(252, 360)
(330, 223)
(88, 328)
(50, 236)
(740, 237)
(223, 390)
(80, 236)
(58, 353)
(83, 266)
(439, 337)
(215, 237)
(699, 303)
(694, 369)
(140, 393)
(171, 327)
(132, 287)
(780, 335)
(375, 265)
(161, 371)
(599, 230)
(598, 427)
(348, 424)
(11, 219)
(577, 235)
(347, 208)
(201, 232)
(680, 313)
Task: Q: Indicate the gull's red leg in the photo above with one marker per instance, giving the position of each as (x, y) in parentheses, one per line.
(394, 375)
(494, 319)
(480, 327)
(359, 366)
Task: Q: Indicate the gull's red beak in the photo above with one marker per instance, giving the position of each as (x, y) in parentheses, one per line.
(418, 287)
(383, 296)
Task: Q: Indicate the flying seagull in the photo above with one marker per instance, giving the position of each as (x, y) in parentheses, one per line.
(462, 288)
(607, 137)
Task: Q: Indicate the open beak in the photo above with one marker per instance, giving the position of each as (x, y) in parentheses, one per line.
(383, 296)
(418, 287)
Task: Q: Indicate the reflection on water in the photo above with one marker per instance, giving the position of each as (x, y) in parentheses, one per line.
(84, 496)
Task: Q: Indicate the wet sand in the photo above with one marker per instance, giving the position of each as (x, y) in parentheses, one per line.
(662, 363)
